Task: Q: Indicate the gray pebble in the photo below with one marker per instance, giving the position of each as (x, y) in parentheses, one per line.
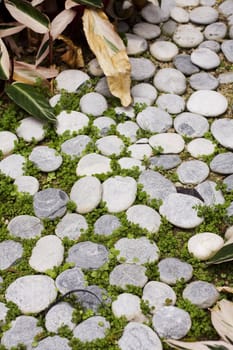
(128, 274)
(222, 163)
(192, 171)
(72, 225)
(154, 119)
(169, 28)
(103, 124)
(170, 80)
(172, 270)
(54, 342)
(12, 165)
(90, 301)
(25, 226)
(45, 158)
(230, 210)
(106, 224)
(210, 195)
(154, 14)
(110, 145)
(211, 45)
(144, 92)
(203, 81)
(191, 124)
(71, 79)
(58, 316)
(28, 184)
(201, 294)
(128, 129)
(158, 294)
(184, 64)
(88, 255)
(205, 58)
(226, 78)
(144, 216)
(227, 49)
(215, 31)
(135, 44)
(165, 161)
(93, 103)
(74, 147)
(146, 30)
(141, 68)
(102, 88)
(171, 103)
(222, 130)
(50, 203)
(69, 280)
(228, 181)
(203, 15)
(10, 252)
(3, 312)
(226, 8)
(187, 36)
(91, 329)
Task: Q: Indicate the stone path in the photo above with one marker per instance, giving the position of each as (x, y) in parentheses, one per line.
(111, 189)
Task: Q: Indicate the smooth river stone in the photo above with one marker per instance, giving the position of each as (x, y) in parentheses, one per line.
(125, 111)
(130, 163)
(187, 36)
(170, 80)
(135, 44)
(10, 252)
(164, 161)
(169, 142)
(119, 193)
(31, 128)
(208, 103)
(74, 147)
(203, 81)
(227, 49)
(22, 331)
(201, 294)
(103, 124)
(94, 68)
(144, 216)
(3, 313)
(184, 65)
(209, 193)
(157, 294)
(191, 124)
(128, 129)
(154, 119)
(93, 103)
(12, 165)
(154, 14)
(171, 103)
(228, 181)
(92, 164)
(25, 226)
(88, 255)
(192, 171)
(171, 322)
(53, 342)
(210, 44)
(138, 336)
(215, 31)
(93, 328)
(200, 147)
(222, 130)
(144, 92)
(106, 224)
(50, 203)
(32, 293)
(169, 27)
(205, 58)
(71, 121)
(45, 158)
(204, 245)
(222, 163)
(128, 274)
(59, 315)
(163, 51)
(86, 193)
(136, 251)
(226, 8)
(47, 253)
(110, 145)
(156, 185)
(141, 68)
(179, 210)
(172, 270)
(71, 79)
(72, 225)
(69, 280)
(128, 305)
(28, 184)
(203, 15)
(179, 14)
(92, 301)
(146, 30)
(7, 142)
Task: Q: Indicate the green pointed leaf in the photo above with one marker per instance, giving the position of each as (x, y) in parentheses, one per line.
(28, 98)
(5, 64)
(92, 3)
(223, 255)
(26, 14)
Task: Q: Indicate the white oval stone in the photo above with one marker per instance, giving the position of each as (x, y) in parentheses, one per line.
(205, 58)
(129, 163)
(71, 79)
(135, 44)
(170, 142)
(179, 15)
(27, 184)
(157, 294)
(208, 103)
(187, 36)
(128, 305)
(110, 145)
(164, 51)
(140, 151)
(31, 128)
(144, 216)
(93, 103)
(200, 147)
(73, 122)
(170, 80)
(58, 316)
(204, 245)
(92, 164)
(7, 142)
(12, 165)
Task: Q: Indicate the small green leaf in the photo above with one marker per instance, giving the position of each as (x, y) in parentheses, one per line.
(223, 255)
(92, 3)
(28, 98)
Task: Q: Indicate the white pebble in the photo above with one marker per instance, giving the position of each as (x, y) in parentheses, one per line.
(204, 245)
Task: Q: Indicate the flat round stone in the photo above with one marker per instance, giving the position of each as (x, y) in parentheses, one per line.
(222, 163)
(163, 51)
(54, 100)
(140, 151)
(10, 252)
(71, 79)
(45, 158)
(211, 45)
(203, 81)
(179, 15)
(71, 121)
(3, 313)
(135, 44)
(128, 305)
(50, 203)
(200, 147)
(25, 226)
(130, 163)
(139, 335)
(88, 255)
(106, 224)
(170, 80)
(191, 124)
(94, 68)
(110, 145)
(144, 216)
(154, 14)
(203, 15)
(215, 31)
(156, 185)
(58, 316)
(169, 27)
(72, 225)
(86, 193)
(222, 131)
(226, 78)
(169, 142)
(92, 301)
(12, 165)
(23, 330)
(146, 30)
(128, 129)
(92, 164)
(53, 342)
(204, 245)
(172, 270)
(165, 161)
(32, 293)
(103, 124)
(185, 3)
(119, 193)
(205, 58)
(141, 68)
(128, 274)
(7, 142)
(171, 103)
(171, 322)
(31, 128)
(154, 119)
(192, 171)
(126, 111)
(136, 250)
(184, 64)
(76, 146)
(228, 181)
(179, 210)
(157, 294)
(28, 184)
(226, 8)
(187, 36)
(208, 103)
(209, 193)
(93, 103)
(201, 294)
(47, 253)
(93, 328)
(69, 280)
(102, 87)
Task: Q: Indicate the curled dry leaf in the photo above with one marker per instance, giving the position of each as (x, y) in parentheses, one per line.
(74, 55)
(200, 345)
(5, 64)
(28, 73)
(222, 319)
(225, 289)
(110, 53)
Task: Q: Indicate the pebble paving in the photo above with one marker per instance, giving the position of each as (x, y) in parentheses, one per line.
(101, 190)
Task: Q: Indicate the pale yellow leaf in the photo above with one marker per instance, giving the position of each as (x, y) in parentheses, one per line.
(222, 319)
(225, 289)
(110, 53)
(69, 4)
(28, 73)
(60, 22)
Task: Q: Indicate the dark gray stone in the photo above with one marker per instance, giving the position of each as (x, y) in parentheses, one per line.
(165, 161)
(74, 147)
(106, 224)
(201, 294)
(45, 158)
(69, 280)
(169, 27)
(25, 226)
(50, 203)
(128, 274)
(203, 81)
(222, 163)
(172, 270)
(184, 64)
(10, 252)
